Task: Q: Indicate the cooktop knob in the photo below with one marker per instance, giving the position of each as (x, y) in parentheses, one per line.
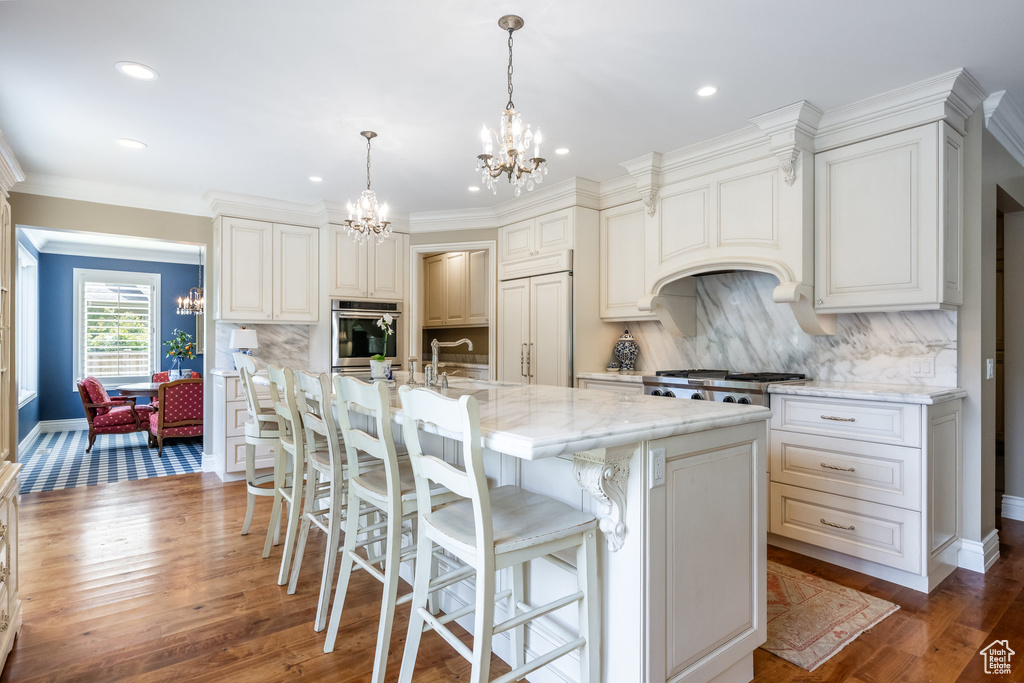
(745, 401)
(670, 394)
(657, 392)
(697, 397)
(728, 399)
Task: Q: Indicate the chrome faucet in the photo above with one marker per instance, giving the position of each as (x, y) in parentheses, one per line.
(431, 378)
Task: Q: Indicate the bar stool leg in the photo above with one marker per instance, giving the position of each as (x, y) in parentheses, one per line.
(387, 608)
(250, 478)
(344, 571)
(274, 530)
(312, 479)
(483, 623)
(334, 525)
(589, 608)
(518, 634)
(294, 512)
(421, 585)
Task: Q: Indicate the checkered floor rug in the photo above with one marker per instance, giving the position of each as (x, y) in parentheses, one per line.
(58, 460)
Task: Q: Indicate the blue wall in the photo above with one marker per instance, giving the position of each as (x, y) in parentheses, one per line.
(58, 399)
(28, 414)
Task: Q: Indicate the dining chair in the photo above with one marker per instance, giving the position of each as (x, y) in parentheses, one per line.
(260, 430)
(110, 414)
(493, 530)
(378, 480)
(180, 413)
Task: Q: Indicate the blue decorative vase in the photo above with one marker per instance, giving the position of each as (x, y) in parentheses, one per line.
(626, 350)
(175, 371)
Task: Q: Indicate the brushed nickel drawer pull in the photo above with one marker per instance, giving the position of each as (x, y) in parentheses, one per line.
(838, 419)
(837, 526)
(836, 467)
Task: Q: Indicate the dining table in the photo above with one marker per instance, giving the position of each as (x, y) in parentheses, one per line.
(150, 389)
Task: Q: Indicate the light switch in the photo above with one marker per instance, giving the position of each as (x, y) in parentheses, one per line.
(990, 368)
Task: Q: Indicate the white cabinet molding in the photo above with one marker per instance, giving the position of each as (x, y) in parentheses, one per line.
(10, 170)
(1006, 123)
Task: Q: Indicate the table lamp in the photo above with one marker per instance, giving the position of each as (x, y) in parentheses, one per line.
(244, 340)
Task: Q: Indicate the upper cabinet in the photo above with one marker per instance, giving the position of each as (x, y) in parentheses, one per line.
(548, 233)
(268, 272)
(622, 262)
(368, 270)
(889, 222)
(455, 289)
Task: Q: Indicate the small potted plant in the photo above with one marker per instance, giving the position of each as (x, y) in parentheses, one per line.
(180, 347)
(380, 366)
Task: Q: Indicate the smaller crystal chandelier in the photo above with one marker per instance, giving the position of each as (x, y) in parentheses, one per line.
(193, 304)
(513, 139)
(366, 217)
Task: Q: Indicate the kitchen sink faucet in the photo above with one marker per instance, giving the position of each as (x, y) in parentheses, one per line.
(431, 376)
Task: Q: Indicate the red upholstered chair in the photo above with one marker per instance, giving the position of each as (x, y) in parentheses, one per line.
(165, 377)
(110, 414)
(180, 413)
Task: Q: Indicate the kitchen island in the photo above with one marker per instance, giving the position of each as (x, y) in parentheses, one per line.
(679, 489)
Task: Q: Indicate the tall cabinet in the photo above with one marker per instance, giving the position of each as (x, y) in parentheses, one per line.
(8, 403)
(534, 331)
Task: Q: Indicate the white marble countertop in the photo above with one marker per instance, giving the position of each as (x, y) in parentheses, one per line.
(534, 422)
(627, 377)
(224, 372)
(896, 393)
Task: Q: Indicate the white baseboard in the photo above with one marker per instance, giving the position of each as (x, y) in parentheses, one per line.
(978, 557)
(73, 425)
(1013, 508)
(29, 438)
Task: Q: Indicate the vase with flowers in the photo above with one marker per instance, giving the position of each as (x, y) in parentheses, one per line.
(180, 347)
(380, 365)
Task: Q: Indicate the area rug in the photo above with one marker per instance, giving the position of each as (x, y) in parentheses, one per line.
(58, 460)
(810, 619)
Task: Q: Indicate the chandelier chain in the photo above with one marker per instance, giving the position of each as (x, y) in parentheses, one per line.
(510, 105)
(367, 163)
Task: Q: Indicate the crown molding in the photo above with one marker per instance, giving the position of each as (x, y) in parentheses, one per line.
(115, 195)
(263, 208)
(10, 170)
(572, 192)
(1006, 123)
(124, 253)
(791, 130)
(951, 97)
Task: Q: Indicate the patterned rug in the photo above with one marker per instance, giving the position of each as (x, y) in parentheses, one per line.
(811, 619)
(58, 460)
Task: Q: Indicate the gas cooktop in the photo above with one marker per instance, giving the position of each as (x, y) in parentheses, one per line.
(717, 385)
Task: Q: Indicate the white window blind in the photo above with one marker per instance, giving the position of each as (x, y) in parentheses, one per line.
(117, 321)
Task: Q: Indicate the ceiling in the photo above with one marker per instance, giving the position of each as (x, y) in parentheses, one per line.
(255, 96)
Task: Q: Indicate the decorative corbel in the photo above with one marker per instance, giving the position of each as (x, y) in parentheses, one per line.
(604, 474)
(791, 131)
(651, 201)
(646, 171)
(787, 163)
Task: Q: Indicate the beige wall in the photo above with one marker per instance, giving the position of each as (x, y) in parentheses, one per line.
(453, 236)
(29, 210)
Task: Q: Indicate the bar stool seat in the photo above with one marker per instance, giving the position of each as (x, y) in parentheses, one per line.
(520, 518)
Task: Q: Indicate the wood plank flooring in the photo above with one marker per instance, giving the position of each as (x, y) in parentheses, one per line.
(151, 581)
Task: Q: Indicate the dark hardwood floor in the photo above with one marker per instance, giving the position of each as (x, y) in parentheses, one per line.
(150, 581)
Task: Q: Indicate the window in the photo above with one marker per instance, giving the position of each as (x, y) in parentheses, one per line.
(28, 326)
(117, 325)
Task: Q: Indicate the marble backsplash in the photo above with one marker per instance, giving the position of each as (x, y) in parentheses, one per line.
(740, 327)
(280, 345)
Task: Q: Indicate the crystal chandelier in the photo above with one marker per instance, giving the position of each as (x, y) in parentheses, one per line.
(512, 137)
(193, 303)
(366, 217)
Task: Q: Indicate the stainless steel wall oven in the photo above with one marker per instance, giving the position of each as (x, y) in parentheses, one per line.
(356, 336)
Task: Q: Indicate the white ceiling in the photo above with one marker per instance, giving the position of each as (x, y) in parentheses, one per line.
(254, 96)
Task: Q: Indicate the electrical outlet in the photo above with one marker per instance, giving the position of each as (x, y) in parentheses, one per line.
(922, 367)
(657, 467)
(990, 368)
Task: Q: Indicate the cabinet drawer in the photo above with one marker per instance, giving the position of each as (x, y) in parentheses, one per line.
(879, 533)
(234, 454)
(621, 387)
(895, 423)
(233, 391)
(880, 473)
(237, 415)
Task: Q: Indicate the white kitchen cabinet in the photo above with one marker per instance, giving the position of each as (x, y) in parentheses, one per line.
(229, 418)
(622, 262)
(455, 289)
(547, 233)
(889, 222)
(268, 272)
(867, 484)
(534, 316)
(368, 270)
(10, 596)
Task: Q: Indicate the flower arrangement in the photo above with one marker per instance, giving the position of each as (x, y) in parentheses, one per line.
(385, 323)
(181, 346)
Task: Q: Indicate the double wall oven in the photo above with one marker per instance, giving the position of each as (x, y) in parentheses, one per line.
(356, 336)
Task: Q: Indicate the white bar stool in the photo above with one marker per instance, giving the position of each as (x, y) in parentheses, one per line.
(294, 447)
(493, 530)
(260, 430)
(390, 489)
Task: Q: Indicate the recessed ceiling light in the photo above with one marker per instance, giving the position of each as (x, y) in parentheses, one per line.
(136, 70)
(707, 91)
(131, 144)
(562, 150)
(473, 188)
(315, 178)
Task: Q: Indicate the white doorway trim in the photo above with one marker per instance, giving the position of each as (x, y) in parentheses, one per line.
(416, 304)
